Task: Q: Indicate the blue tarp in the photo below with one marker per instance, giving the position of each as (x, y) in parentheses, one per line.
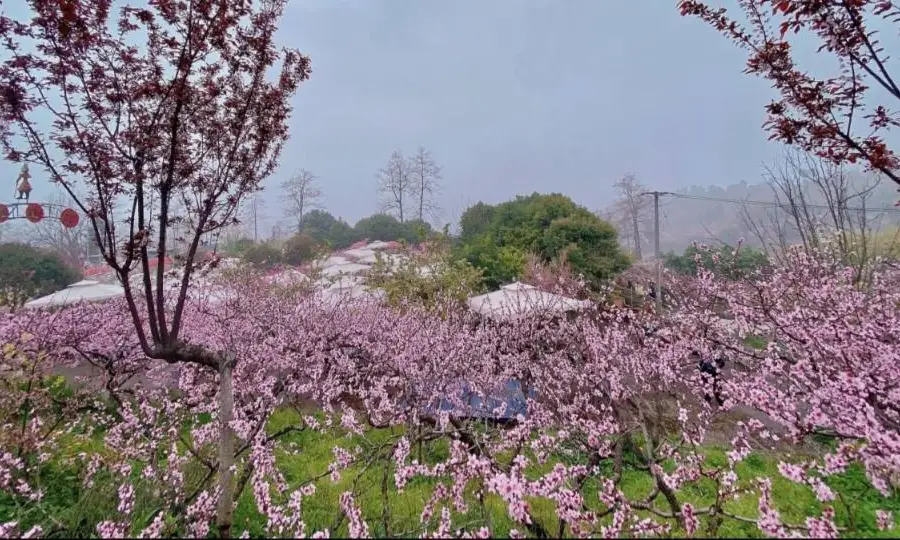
(505, 404)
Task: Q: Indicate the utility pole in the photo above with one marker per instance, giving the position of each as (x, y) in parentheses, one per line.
(255, 223)
(659, 293)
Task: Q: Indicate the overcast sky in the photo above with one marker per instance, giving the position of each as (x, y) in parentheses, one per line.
(515, 96)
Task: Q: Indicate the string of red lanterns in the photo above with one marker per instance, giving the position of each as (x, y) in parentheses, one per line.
(35, 212)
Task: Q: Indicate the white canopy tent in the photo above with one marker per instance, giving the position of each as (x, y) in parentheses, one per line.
(519, 299)
(345, 269)
(330, 261)
(358, 253)
(83, 291)
(286, 278)
(392, 260)
(378, 244)
(348, 289)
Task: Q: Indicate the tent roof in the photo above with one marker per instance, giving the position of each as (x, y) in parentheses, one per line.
(379, 244)
(85, 290)
(288, 276)
(358, 253)
(519, 299)
(330, 261)
(345, 268)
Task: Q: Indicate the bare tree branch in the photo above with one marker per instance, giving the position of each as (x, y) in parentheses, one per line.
(301, 194)
(425, 177)
(395, 185)
(630, 211)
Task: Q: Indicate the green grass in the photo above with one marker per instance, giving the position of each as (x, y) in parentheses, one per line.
(307, 454)
(756, 342)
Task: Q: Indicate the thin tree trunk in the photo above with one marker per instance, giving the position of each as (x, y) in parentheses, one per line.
(637, 234)
(226, 447)
(422, 204)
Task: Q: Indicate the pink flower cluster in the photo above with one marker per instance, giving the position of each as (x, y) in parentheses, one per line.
(509, 398)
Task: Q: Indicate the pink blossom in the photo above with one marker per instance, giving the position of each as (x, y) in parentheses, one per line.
(126, 499)
(885, 520)
(34, 532)
(109, 529)
(792, 472)
(823, 527)
(358, 527)
(690, 520)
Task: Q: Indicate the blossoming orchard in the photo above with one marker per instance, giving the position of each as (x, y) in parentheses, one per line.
(237, 406)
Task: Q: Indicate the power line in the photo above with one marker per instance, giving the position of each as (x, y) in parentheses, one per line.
(887, 210)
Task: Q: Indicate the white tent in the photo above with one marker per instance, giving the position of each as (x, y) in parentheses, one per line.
(390, 259)
(83, 291)
(518, 299)
(340, 281)
(345, 268)
(331, 261)
(346, 289)
(378, 244)
(286, 277)
(358, 253)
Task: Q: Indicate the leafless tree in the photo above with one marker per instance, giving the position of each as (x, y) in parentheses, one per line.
(302, 195)
(425, 177)
(277, 232)
(254, 210)
(631, 210)
(813, 200)
(395, 185)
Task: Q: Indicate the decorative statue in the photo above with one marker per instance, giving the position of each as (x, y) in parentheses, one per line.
(23, 186)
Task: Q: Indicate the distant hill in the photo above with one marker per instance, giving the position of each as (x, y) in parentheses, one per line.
(716, 214)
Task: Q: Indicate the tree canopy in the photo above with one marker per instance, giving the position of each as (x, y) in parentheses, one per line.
(388, 228)
(324, 228)
(299, 248)
(263, 255)
(725, 260)
(497, 238)
(26, 272)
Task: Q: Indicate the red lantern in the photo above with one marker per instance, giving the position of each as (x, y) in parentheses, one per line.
(34, 212)
(4, 213)
(69, 218)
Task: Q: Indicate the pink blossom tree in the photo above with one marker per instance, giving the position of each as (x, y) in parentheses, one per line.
(593, 398)
(163, 118)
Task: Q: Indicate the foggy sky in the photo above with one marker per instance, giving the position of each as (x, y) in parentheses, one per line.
(514, 96)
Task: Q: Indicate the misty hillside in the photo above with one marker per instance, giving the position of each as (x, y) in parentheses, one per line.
(716, 214)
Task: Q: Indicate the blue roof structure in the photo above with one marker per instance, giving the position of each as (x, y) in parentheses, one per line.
(503, 405)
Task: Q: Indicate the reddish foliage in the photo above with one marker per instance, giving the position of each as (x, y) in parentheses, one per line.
(190, 117)
(832, 117)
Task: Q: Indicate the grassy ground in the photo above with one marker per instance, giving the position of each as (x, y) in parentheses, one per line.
(858, 501)
(76, 510)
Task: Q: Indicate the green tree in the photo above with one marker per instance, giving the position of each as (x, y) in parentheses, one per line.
(379, 227)
(475, 220)
(432, 279)
(498, 238)
(263, 255)
(27, 272)
(237, 247)
(324, 228)
(589, 245)
(499, 264)
(415, 231)
(722, 260)
(299, 248)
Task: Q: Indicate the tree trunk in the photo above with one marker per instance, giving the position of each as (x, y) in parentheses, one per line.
(226, 447)
(637, 235)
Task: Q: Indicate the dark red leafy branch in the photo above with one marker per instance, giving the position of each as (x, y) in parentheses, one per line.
(835, 117)
(162, 113)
